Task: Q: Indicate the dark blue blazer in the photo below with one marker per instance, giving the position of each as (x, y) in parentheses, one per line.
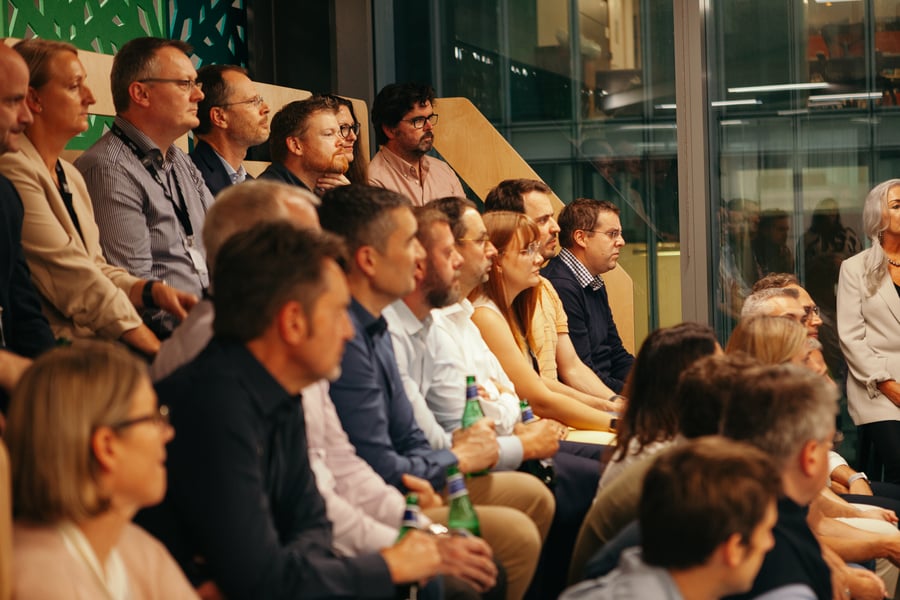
(210, 165)
(25, 329)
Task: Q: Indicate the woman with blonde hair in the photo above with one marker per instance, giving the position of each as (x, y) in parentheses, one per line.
(771, 340)
(87, 450)
(868, 322)
(504, 306)
(82, 294)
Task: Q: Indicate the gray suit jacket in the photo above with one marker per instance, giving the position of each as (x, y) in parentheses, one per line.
(869, 330)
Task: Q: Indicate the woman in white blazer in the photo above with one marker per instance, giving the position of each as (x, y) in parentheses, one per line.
(868, 319)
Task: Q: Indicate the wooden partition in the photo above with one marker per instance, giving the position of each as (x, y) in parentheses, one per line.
(482, 158)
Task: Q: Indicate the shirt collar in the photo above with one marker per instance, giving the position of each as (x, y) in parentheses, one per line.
(407, 321)
(582, 275)
(287, 175)
(236, 176)
(408, 170)
(373, 326)
(270, 394)
(460, 311)
(160, 160)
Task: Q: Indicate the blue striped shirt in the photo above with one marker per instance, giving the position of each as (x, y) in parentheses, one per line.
(139, 227)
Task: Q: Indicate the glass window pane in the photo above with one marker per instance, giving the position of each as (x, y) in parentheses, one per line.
(593, 112)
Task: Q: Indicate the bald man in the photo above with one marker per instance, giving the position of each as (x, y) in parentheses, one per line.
(24, 331)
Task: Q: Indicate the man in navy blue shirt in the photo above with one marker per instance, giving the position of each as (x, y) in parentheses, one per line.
(379, 228)
(591, 238)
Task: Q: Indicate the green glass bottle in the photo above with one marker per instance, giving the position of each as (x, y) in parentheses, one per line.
(411, 515)
(462, 517)
(543, 468)
(472, 411)
(411, 521)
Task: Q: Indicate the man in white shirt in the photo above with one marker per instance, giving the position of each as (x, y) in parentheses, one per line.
(458, 259)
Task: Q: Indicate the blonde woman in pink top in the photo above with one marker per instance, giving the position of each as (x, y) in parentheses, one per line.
(87, 444)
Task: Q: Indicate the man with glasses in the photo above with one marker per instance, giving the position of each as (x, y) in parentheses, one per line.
(591, 238)
(149, 199)
(307, 144)
(233, 118)
(404, 119)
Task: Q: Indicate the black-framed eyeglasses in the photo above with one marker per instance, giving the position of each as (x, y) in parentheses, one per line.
(419, 122)
(346, 129)
(256, 101)
(185, 85)
(481, 241)
(160, 418)
(612, 234)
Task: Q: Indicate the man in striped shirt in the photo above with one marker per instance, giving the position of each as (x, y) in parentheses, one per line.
(149, 199)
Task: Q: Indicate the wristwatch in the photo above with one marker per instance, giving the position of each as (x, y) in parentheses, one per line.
(857, 477)
(147, 294)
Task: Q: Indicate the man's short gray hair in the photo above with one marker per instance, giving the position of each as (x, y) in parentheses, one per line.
(757, 303)
(779, 408)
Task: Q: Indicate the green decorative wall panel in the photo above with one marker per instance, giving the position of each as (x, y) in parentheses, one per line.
(217, 29)
(98, 25)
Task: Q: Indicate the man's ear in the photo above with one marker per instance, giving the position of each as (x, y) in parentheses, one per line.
(217, 117)
(366, 260)
(579, 236)
(732, 551)
(808, 458)
(294, 146)
(139, 93)
(293, 323)
(390, 132)
(421, 268)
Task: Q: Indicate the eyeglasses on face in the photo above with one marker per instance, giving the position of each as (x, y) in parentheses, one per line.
(481, 241)
(419, 122)
(256, 101)
(346, 129)
(185, 85)
(159, 418)
(530, 250)
(612, 234)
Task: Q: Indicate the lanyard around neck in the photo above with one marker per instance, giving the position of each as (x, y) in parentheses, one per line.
(66, 194)
(181, 209)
